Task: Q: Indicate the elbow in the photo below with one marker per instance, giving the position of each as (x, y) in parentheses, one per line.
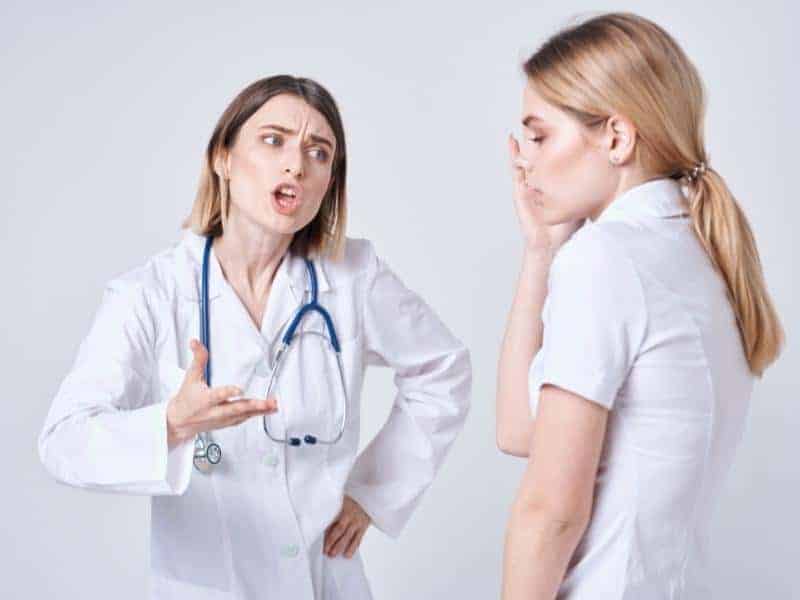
(47, 456)
(512, 437)
(557, 512)
(462, 365)
(511, 443)
(564, 523)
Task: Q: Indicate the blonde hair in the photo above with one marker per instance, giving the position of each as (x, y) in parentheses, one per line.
(621, 63)
(325, 234)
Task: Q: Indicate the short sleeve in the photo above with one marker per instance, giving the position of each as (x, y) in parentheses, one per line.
(594, 320)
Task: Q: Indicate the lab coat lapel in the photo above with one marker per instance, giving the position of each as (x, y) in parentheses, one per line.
(290, 290)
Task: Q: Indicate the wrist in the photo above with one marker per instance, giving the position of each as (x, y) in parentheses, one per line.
(176, 435)
(538, 254)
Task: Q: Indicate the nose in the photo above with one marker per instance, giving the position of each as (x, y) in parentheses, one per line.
(293, 163)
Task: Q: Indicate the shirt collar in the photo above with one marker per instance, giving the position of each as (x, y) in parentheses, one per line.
(659, 198)
(292, 267)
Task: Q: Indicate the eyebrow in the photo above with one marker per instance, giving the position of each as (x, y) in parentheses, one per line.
(530, 118)
(315, 138)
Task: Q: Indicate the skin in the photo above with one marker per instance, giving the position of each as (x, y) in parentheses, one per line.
(564, 173)
(285, 141)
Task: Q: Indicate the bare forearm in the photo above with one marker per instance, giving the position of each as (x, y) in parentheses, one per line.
(522, 339)
(537, 551)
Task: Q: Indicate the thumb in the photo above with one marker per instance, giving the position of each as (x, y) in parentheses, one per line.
(196, 370)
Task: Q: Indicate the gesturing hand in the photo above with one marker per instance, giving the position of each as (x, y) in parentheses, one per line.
(347, 530)
(197, 407)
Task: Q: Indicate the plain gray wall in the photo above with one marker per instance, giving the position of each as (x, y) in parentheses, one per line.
(106, 112)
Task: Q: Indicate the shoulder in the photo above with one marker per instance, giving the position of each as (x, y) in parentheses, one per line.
(154, 280)
(597, 254)
(356, 260)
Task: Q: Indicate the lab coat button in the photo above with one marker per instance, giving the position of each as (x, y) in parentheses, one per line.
(272, 460)
(290, 551)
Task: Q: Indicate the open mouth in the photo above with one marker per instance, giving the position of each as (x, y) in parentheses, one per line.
(287, 198)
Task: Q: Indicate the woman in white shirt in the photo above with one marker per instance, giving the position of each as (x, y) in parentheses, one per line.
(630, 351)
(272, 519)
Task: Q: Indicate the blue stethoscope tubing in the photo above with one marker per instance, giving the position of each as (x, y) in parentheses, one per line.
(209, 452)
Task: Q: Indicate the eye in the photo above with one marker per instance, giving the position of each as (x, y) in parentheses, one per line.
(272, 139)
(537, 140)
(319, 153)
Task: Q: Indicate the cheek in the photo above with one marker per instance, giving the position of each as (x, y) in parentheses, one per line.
(316, 184)
(249, 175)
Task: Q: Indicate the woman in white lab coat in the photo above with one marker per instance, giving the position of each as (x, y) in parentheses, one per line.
(270, 520)
(630, 352)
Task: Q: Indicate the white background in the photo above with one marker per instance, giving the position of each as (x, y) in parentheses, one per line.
(105, 115)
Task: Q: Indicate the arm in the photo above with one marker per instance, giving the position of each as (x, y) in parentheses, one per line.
(523, 333)
(103, 432)
(593, 330)
(554, 501)
(433, 379)
(522, 339)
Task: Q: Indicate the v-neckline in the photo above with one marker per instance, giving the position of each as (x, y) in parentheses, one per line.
(280, 286)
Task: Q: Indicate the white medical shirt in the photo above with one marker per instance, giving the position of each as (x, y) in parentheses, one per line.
(637, 320)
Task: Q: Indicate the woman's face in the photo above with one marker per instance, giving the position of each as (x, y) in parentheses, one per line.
(280, 165)
(567, 164)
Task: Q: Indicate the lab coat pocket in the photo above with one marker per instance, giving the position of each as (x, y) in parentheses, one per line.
(345, 579)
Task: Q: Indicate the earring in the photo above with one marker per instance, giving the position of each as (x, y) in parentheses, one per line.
(614, 159)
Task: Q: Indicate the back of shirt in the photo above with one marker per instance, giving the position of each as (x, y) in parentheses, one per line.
(637, 320)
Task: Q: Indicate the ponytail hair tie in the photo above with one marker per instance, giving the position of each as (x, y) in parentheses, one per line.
(697, 171)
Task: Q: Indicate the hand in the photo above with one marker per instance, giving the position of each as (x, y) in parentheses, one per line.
(197, 407)
(538, 235)
(347, 530)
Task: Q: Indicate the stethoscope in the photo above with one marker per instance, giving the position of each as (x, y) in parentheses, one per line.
(207, 452)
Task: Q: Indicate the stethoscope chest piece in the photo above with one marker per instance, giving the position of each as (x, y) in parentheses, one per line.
(206, 454)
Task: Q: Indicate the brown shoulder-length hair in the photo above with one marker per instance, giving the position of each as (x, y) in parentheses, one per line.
(621, 63)
(325, 233)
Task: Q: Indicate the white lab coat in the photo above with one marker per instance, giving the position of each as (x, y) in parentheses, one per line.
(254, 528)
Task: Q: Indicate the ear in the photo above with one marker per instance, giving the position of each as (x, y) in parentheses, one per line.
(620, 138)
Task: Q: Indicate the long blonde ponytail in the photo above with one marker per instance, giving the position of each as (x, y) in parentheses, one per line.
(620, 63)
(725, 233)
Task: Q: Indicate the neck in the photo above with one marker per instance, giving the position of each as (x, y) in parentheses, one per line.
(629, 177)
(250, 255)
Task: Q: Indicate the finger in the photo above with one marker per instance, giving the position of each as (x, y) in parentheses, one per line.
(355, 543)
(225, 414)
(518, 164)
(336, 530)
(197, 369)
(344, 541)
(513, 147)
(223, 393)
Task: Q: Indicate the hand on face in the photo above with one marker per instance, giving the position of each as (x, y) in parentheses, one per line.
(538, 235)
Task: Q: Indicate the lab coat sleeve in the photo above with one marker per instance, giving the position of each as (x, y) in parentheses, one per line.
(433, 378)
(104, 430)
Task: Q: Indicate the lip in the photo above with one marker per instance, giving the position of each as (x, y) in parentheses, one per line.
(282, 206)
